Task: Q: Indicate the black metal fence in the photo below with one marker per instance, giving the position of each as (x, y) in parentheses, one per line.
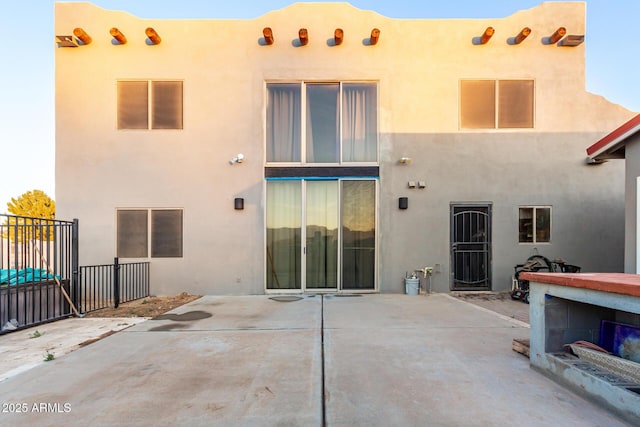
(103, 286)
(38, 258)
(41, 281)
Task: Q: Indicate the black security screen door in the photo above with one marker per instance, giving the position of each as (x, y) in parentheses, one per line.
(471, 247)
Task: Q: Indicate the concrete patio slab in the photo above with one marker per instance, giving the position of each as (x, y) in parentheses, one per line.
(437, 361)
(374, 360)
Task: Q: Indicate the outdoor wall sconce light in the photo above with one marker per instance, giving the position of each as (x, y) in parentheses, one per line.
(303, 36)
(116, 34)
(338, 36)
(153, 36)
(268, 35)
(82, 35)
(237, 159)
(238, 203)
(486, 36)
(375, 35)
(572, 41)
(405, 160)
(66, 41)
(555, 37)
(403, 203)
(522, 35)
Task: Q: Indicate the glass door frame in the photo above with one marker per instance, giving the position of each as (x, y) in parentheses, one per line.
(303, 264)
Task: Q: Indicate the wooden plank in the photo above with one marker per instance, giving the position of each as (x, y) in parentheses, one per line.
(521, 346)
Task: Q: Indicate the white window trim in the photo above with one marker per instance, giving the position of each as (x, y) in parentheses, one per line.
(149, 231)
(303, 118)
(497, 101)
(535, 207)
(149, 105)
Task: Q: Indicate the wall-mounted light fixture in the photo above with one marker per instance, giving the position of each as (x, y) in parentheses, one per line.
(405, 160)
(268, 35)
(486, 36)
(572, 40)
(82, 35)
(116, 34)
(375, 35)
(522, 35)
(238, 203)
(66, 41)
(237, 159)
(557, 35)
(338, 36)
(303, 35)
(153, 36)
(403, 203)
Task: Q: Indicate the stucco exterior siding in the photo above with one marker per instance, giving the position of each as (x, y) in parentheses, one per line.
(417, 64)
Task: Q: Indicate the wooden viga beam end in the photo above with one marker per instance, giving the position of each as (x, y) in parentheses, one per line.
(486, 36)
(375, 36)
(153, 35)
(559, 33)
(303, 35)
(522, 35)
(338, 36)
(268, 35)
(116, 34)
(82, 35)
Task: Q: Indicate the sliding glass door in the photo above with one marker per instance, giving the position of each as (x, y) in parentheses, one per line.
(321, 250)
(358, 234)
(336, 221)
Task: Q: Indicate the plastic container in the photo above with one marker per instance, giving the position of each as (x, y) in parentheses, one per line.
(412, 285)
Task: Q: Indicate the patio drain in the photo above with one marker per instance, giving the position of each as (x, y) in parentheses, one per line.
(286, 298)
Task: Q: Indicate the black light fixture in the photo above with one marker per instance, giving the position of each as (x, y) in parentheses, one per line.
(238, 203)
(403, 203)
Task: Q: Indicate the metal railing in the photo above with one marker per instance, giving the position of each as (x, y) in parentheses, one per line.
(38, 258)
(108, 285)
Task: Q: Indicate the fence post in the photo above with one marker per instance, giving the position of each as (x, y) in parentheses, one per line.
(116, 282)
(75, 265)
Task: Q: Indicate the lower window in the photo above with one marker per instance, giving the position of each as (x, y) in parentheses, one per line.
(534, 224)
(149, 233)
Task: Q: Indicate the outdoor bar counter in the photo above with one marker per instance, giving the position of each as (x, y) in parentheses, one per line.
(569, 307)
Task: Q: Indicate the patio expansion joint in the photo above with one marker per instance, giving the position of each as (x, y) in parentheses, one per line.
(225, 330)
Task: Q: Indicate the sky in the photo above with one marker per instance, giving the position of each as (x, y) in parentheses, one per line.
(27, 113)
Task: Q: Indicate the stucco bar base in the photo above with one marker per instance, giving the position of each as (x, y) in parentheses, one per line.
(571, 310)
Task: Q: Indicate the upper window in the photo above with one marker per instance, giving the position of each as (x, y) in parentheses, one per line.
(534, 224)
(322, 123)
(157, 229)
(496, 104)
(149, 104)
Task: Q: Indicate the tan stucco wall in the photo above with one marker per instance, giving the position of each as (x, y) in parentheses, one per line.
(418, 64)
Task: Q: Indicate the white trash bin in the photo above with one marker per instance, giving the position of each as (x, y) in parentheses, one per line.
(412, 285)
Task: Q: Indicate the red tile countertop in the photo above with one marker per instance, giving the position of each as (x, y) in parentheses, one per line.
(617, 283)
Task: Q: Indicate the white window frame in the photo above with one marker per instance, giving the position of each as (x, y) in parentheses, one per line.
(497, 106)
(535, 224)
(149, 231)
(150, 104)
(303, 122)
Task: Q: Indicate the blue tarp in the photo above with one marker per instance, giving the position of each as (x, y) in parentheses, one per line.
(26, 275)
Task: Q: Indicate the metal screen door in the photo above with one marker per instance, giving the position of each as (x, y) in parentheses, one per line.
(471, 247)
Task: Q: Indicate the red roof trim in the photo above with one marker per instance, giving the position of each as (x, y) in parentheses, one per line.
(618, 135)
